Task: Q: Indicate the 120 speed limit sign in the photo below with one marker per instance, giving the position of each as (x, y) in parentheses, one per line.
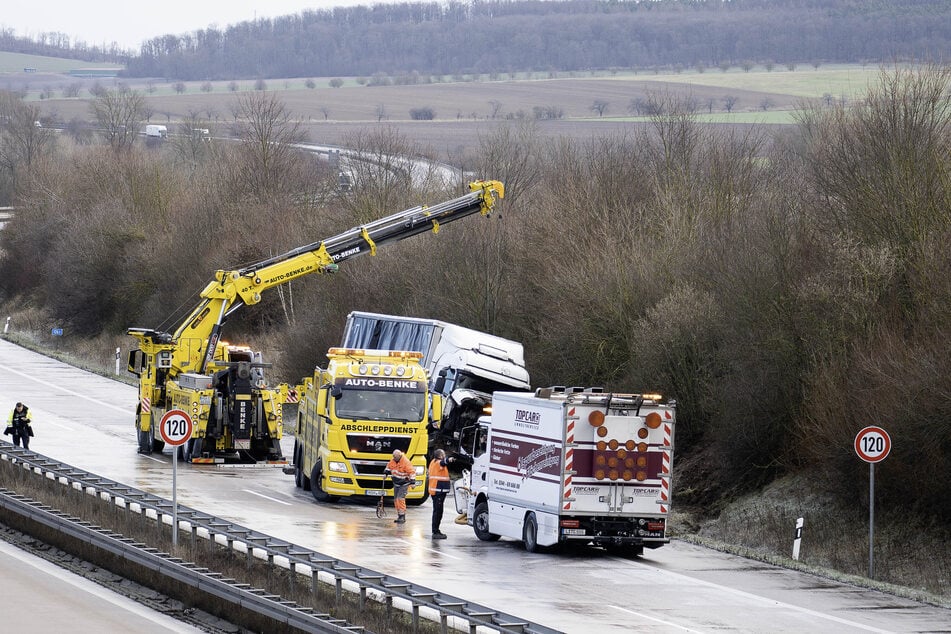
(176, 427)
(872, 444)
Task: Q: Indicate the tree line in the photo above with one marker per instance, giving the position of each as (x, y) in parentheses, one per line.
(788, 289)
(502, 36)
(496, 37)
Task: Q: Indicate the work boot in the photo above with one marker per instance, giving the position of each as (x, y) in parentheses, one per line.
(400, 520)
(438, 535)
(463, 518)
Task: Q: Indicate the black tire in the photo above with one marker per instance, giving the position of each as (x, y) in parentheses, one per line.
(530, 534)
(480, 523)
(319, 494)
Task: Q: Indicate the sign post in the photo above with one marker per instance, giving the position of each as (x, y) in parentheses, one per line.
(175, 429)
(872, 445)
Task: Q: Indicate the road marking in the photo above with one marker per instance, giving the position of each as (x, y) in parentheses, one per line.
(771, 602)
(653, 618)
(432, 550)
(59, 388)
(267, 497)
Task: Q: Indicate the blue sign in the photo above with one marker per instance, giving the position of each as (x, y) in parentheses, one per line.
(57, 332)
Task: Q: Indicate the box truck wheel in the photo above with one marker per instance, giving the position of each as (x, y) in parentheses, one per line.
(480, 523)
(530, 534)
(319, 494)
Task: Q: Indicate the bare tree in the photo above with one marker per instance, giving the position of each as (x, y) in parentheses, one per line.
(119, 116)
(192, 143)
(729, 101)
(22, 140)
(600, 106)
(268, 133)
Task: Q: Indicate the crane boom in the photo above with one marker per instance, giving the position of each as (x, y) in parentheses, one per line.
(193, 348)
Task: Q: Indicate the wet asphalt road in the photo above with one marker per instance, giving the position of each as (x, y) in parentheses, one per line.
(87, 421)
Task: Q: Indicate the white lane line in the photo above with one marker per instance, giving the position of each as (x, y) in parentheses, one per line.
(432, 550)
(655, 619)
(124, 410)
(267, 497)
(773, 603)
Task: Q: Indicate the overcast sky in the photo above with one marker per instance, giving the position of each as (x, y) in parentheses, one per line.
(129, 23)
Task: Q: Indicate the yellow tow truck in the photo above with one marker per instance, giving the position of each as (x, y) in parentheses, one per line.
(236, 416)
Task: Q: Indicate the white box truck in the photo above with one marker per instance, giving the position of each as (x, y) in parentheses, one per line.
(466, 365)
(156, 131)
(573, 466)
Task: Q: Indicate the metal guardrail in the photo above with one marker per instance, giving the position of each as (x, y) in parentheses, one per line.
(189, 575)
(452, 612)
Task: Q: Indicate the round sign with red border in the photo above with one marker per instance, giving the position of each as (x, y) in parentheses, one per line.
(176, 427)
(872, 444)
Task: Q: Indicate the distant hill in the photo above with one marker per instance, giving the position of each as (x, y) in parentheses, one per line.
(412, 43)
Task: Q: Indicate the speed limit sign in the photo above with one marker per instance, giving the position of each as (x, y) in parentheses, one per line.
(872, 444)
(176, 427)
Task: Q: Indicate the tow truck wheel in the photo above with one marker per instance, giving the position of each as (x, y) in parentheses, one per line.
(319, 494)
(480, 523)
(530, 534)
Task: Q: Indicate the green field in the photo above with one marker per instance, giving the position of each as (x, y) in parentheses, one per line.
(17, 62)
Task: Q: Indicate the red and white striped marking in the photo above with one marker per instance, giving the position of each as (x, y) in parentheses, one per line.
(292, 396)
(146, 404)
(569, 457)
(665, 469)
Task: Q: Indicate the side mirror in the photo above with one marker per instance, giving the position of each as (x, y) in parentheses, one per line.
(440, 383)
(336, 391)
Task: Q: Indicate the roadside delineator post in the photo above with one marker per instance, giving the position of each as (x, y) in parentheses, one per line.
(797, 540)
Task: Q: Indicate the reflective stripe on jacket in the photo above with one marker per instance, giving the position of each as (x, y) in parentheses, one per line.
(402, 469)
(438, 477)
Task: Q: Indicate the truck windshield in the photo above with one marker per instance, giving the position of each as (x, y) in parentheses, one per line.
(380, 405)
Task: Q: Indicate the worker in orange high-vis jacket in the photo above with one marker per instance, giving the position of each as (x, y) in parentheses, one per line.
(403, 473)
(438, 488)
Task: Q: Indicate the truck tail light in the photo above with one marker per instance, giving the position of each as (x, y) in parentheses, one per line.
(596, 418)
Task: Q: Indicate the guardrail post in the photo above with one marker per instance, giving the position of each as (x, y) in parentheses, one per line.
(339, 584)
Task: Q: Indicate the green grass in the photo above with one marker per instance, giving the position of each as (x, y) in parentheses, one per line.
(16, 62)
(847, 80)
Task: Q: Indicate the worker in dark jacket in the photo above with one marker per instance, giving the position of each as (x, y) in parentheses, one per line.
(19, 425)
(438, 488)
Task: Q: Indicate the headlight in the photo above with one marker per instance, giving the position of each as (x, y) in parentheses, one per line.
(338, 467)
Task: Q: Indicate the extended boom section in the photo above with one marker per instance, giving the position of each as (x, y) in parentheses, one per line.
(236, 416)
